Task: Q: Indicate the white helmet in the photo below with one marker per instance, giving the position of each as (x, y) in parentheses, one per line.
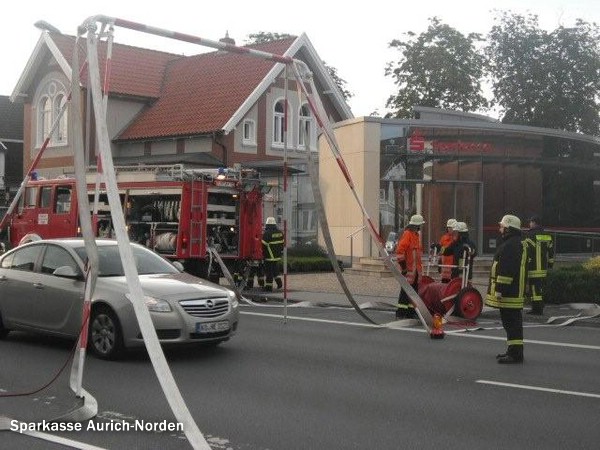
(461, 227)
(511, 221)
(270, 221)
(417, 219)
(450, 223)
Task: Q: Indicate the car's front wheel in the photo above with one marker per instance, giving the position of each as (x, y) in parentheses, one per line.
(105, 336)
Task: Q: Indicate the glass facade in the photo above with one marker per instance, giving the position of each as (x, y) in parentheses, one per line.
(477, 176)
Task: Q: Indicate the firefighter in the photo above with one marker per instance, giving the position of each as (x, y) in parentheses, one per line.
(272, 247)
(506, 290)
(445, 242)
(541, 259)
(462, 246)
(409, 251)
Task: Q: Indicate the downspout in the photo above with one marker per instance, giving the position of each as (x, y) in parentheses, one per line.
(216, 136)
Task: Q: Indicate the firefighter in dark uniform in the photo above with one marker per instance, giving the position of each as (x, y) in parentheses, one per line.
(507, 286)
(272, 246)
(541, 259)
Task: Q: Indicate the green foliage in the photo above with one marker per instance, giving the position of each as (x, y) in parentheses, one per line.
(546, 79)
(309, 264)
(593, 265)
(264, 36)
(307, 250)
(308, 258)
(438, 68)
(572, 284)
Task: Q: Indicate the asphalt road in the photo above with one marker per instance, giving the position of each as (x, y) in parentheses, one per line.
(325, 379)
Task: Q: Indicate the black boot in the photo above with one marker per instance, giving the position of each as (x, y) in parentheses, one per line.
(401, 313)
(537, 309)
(278, 282)
(514, 355)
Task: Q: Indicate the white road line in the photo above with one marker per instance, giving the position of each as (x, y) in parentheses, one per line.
(60, 440)
(390, 326)
(537, 388)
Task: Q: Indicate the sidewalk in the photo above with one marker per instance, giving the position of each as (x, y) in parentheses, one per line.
(323, 289)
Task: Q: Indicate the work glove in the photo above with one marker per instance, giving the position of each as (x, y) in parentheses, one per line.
(498, 296)
(435, 246)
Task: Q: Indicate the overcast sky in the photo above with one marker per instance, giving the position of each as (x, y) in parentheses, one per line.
(352, 39)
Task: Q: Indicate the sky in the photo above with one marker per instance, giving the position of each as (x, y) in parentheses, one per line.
(351, 38)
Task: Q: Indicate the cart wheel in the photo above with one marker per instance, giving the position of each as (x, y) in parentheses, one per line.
(468, 303)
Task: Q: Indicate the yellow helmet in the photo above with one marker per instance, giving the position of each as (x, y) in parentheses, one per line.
(270, 221)
(450, 223)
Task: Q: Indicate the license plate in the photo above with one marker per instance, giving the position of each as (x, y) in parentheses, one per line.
(211, 327)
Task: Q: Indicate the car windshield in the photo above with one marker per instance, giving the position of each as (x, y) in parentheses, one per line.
(146, 261)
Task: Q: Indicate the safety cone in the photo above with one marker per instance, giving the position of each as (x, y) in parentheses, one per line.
(437, 331)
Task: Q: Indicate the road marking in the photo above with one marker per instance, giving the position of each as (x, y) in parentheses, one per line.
(537, 388)
(57, 439)
(390, 326)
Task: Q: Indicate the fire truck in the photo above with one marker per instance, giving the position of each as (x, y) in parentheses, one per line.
(178, 212)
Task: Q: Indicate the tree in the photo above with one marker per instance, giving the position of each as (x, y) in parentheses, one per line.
(262, 37)
(441, 67)
(546, 79)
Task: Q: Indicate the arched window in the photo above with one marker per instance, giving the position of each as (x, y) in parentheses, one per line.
(61, 131)
(279, 123)
(49, 106)
(44, 118)
(304, 128)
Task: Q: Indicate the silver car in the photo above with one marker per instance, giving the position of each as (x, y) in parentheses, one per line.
(41, 290)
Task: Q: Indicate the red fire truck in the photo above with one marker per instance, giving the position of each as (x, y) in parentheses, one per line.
(177, 212)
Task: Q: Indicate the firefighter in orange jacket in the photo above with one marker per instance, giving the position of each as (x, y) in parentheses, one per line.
(409, 251)
(445, 242)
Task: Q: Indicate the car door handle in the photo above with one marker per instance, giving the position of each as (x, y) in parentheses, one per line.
(38, 285)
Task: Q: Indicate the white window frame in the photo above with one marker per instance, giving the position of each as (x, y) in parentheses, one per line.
(49, 106)
(278, 132)
(250, 126)
(305, 123)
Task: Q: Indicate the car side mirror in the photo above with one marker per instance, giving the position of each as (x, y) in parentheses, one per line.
(66, 272)
(178, 266)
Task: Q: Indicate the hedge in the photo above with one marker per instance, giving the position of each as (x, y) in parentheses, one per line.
(309, 258)
(309, 264)
(574, 284)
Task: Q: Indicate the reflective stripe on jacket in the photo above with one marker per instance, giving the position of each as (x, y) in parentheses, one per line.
(272, 243)
(409, 251)
(508, 275)
(541, 253)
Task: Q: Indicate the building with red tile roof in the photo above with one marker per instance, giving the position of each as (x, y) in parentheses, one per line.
(210, 109)
(206, 110)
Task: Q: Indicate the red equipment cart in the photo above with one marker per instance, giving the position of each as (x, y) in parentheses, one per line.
(457, 297)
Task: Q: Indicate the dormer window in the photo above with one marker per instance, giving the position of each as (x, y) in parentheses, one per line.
(49, 106)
